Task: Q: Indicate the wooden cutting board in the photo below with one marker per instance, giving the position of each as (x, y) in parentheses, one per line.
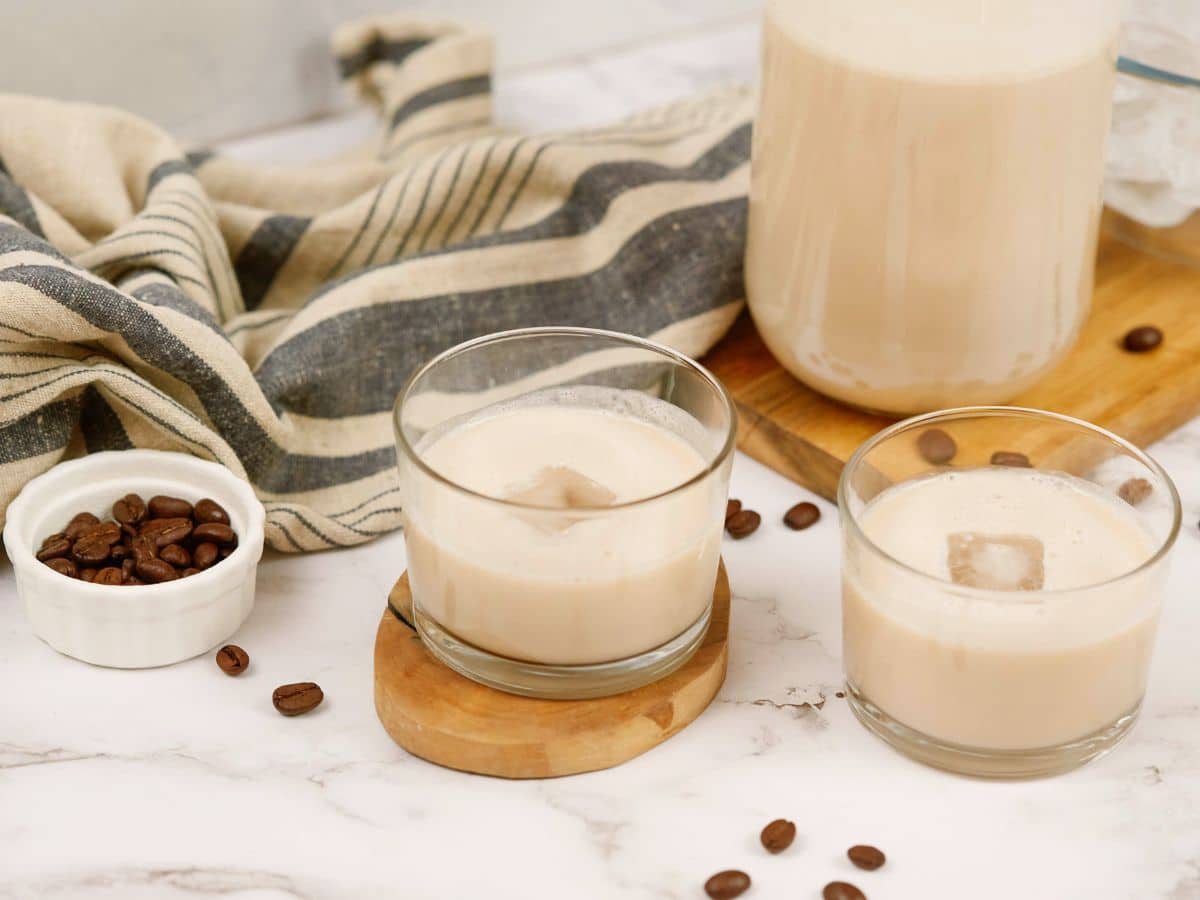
(1142, 397)
(441, 716)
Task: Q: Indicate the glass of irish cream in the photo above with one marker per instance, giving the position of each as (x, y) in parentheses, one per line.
(926, 193)
(564, 495)
(1003, 573)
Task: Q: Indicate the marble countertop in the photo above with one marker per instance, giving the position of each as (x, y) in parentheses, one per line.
(181, 782)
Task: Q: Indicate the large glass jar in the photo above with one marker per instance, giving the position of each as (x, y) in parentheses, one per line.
(926, 192)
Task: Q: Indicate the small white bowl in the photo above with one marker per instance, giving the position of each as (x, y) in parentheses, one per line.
(146, 625)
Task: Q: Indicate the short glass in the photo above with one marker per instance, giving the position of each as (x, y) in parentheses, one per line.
(552, 585)
(1001, 682)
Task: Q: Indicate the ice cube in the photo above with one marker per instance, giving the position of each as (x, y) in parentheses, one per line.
(561, 487)
(996, 562)
(558, 487)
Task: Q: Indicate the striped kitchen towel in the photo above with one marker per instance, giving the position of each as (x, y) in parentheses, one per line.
(267, 316)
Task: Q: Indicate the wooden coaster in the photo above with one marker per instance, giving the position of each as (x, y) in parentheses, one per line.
(1140, 396)
(440, 716)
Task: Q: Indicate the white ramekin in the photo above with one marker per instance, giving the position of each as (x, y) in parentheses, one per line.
(146, 625)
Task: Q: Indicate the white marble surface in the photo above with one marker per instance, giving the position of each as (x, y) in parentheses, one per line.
(182, 783)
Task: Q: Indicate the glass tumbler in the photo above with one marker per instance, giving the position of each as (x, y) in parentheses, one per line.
(926, 193)
(564, 496)
(1003, 571)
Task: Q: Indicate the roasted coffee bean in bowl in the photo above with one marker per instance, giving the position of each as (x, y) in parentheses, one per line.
(135, 558)
(133, 550)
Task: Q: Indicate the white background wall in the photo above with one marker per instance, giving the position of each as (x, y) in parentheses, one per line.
(210, 69)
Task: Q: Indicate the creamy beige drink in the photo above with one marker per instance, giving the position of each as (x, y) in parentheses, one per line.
(563, 572)
(926, 192)
(1021, 638)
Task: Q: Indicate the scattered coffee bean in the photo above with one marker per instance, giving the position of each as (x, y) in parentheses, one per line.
(842, 890)
(296, 699)
(801, 516)
(155, 571)
(1010, 458)
(210, 511)
(129, 510)
(176, 556)
(204, 555)
(778, 835)
(1135, 490)
(63, 567)
(169, 508)
(936, 446)
(110, 575)
(866, 857)
(841, 695)
(216, 533)
(727, 885)
(742, 523)
(54, 547)
(78, 525)
(732, 507)
(1142, 339)
(233, 660)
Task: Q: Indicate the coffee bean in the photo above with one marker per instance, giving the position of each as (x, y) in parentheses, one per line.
(1135, 490)
(225, 552)
(210, 511)
(1142, 339)
(63, 567)
(88, 551)
(1009, 458)
(127, 565)
(727, 885)
(79, 524)
(169, 508)
(155, 570)
(132, 580)
(732, 507)
(108, 532)
(742, 523)
(143, 547)
(128, 532)
(801, 516)
(129, 510)
(216, 533)
(87, 574)
(119, 552)
(936, 446)
(233, 661)
(110, 575)
(296, 699)
(176, 556)
(778, 835)
(187, 573)
(167, 531)
(54, 547)
(204, 555)
(841, 890)
(866, 857)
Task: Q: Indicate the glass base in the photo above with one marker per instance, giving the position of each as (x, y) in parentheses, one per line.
(553, 682)
(982, 763)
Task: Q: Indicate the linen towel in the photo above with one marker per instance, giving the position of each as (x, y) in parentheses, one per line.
(267, 316)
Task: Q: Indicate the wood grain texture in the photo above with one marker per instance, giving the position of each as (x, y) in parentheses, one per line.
(450, 720)
(1142, 397)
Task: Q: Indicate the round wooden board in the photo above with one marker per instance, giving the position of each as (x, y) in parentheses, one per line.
(441, 716)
